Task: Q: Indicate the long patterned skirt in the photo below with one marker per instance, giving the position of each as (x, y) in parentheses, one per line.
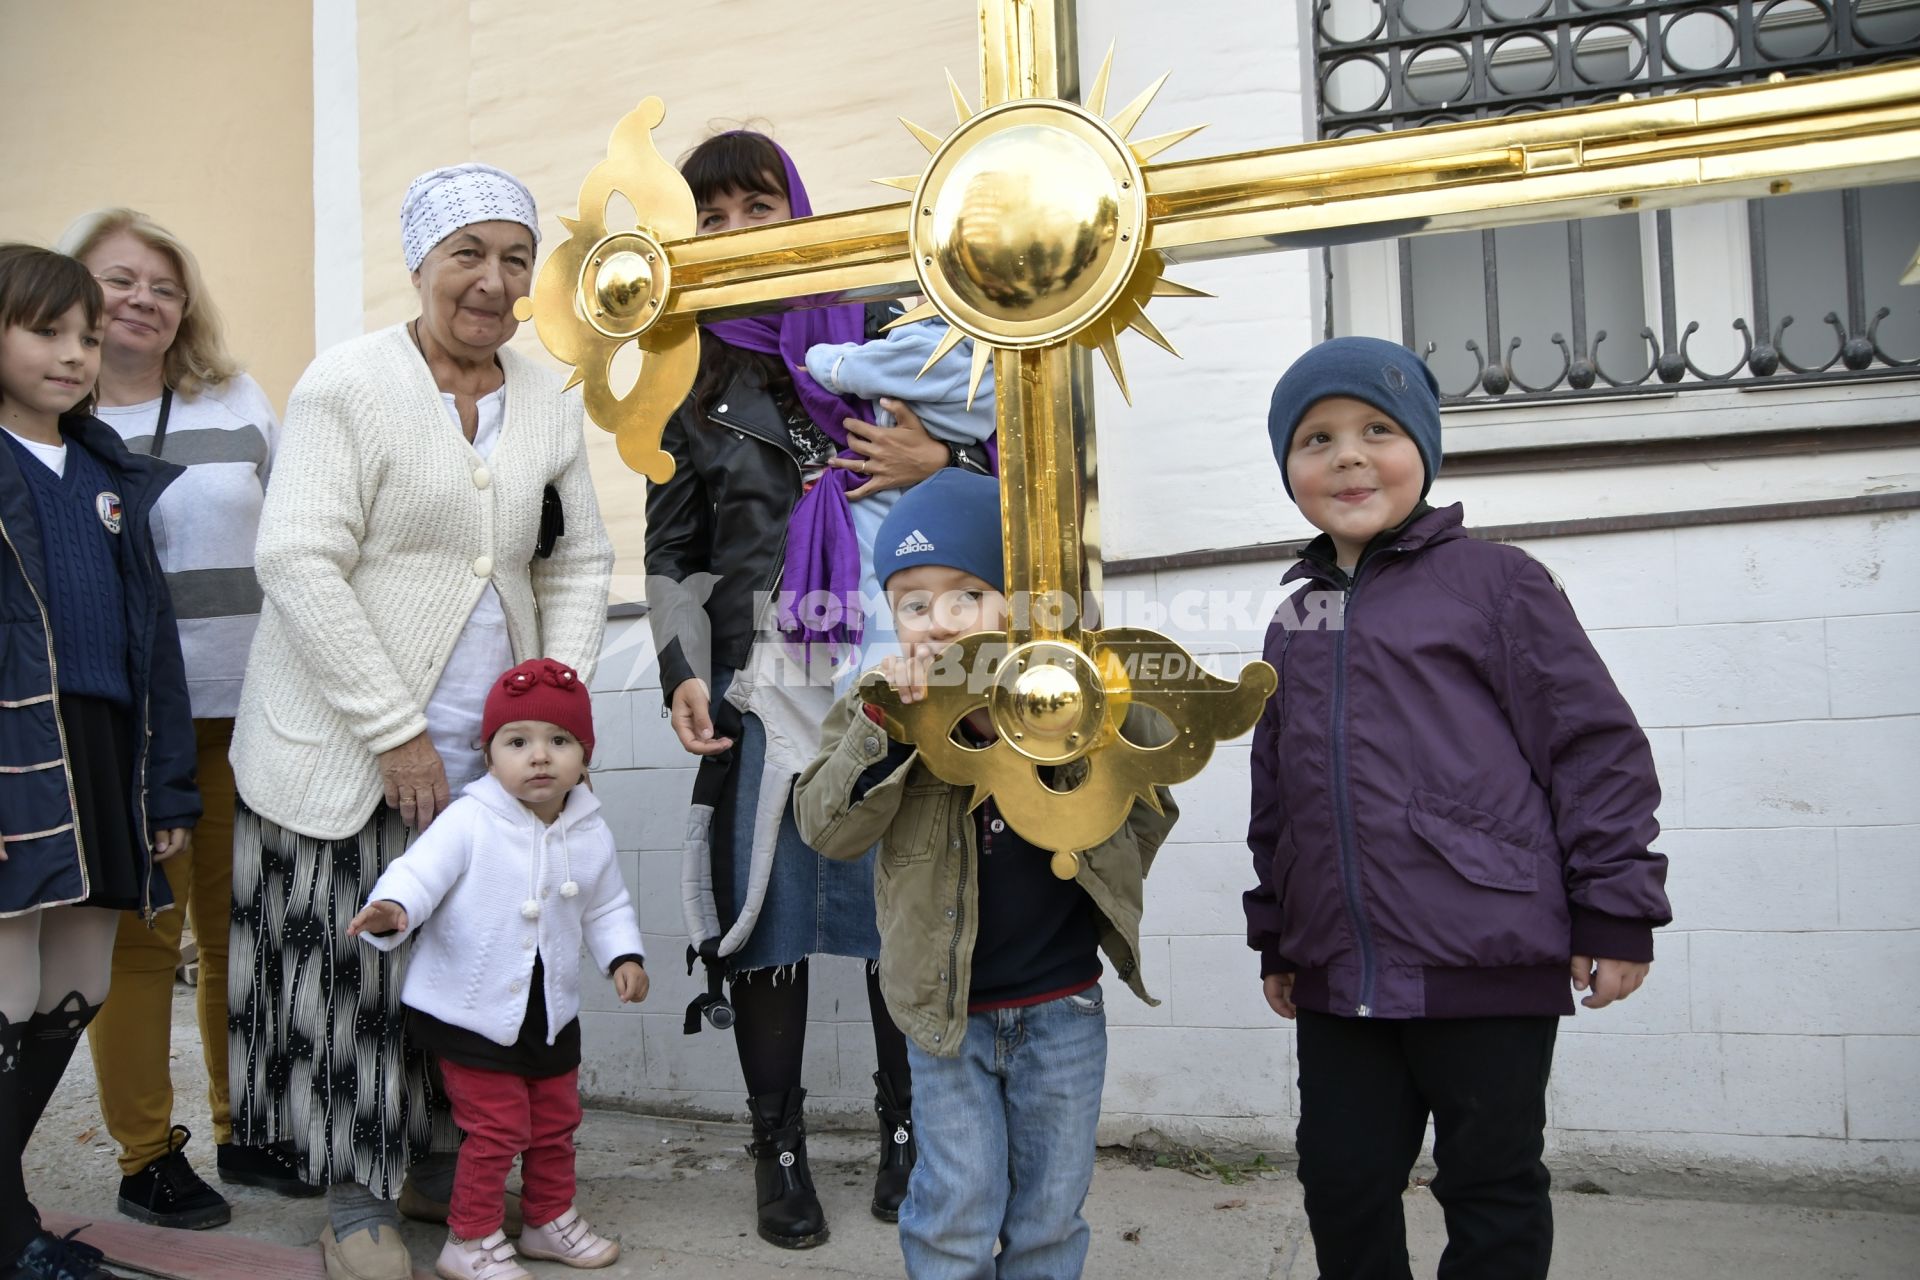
(319, 1054)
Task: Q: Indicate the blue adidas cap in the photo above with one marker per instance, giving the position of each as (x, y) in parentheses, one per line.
(951, 519)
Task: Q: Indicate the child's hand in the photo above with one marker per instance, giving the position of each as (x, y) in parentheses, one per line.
(1609, 980)
(908, 674)
(630, 983)
(1279, 988)
(378, 917)
(169, 842)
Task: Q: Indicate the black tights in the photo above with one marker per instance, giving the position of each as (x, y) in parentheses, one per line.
(770, 1030)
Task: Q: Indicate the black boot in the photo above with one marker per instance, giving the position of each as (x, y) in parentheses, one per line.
(33, 1056)
(790, 1213)
(897, 1148)
(51, 1257)
(276, 1168)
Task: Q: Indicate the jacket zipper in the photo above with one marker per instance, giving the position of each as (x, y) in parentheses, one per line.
(1343, 806)
(959, 923)
(771, 591)
(59, 724)
(146, 755)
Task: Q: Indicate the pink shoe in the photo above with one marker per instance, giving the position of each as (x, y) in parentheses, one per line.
(569, 1239)
(489, 1259)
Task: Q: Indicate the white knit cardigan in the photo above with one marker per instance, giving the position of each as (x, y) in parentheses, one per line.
(485, 888)
(381, 528)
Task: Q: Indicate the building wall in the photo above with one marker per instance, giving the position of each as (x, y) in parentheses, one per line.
(537, 91)
(200, 114)
(1771, 664)
(1771, 661)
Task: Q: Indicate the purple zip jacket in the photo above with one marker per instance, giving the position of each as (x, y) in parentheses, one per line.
(1450, 797)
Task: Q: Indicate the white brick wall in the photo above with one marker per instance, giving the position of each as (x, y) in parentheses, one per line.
(1773, 663)
(1780, 1024)
(1881, 1079)
(1859, 680)
(1764, 1085)
(1879, 877)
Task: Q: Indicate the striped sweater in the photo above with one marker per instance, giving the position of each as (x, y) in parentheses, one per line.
(205, 525)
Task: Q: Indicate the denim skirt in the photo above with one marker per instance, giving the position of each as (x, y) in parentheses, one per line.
(814, 905)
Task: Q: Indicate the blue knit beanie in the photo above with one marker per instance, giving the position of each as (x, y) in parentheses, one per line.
(1384, 374)
(951, 519)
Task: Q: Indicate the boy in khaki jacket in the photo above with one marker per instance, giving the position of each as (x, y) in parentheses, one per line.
(988, 962)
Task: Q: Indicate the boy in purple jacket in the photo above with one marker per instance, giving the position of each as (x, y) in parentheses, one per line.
(1452, 807)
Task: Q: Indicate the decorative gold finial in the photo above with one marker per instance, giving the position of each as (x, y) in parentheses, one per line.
(601, 289)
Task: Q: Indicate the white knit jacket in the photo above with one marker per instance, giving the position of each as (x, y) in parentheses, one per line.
(380, 530)
(493, 881)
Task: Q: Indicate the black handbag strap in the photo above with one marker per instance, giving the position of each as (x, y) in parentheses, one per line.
(553, 522)
(160, 427)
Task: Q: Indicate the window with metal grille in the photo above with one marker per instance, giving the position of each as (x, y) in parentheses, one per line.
(1600, 306)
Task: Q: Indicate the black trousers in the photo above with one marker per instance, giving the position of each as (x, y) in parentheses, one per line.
(1367, 1087)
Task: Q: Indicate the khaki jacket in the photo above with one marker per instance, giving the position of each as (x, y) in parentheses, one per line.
(927, 879)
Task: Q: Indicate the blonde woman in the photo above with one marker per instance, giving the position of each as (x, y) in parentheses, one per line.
(170, 389)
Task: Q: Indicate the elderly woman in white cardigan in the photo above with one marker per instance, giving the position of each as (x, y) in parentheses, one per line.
(430, 524)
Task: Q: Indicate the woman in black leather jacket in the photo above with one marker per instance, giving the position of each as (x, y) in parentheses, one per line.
(747, 445)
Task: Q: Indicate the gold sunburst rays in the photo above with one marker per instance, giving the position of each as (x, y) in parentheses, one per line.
(989, 288)
(1130, 312)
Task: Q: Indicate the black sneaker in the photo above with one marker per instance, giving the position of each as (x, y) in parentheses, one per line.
(51, 1257)
(275, 1168)
(168, 1193)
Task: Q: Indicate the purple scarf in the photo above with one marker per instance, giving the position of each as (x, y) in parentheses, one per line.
(823, 553)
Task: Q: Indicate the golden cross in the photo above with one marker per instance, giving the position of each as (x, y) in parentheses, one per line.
(1040, 231)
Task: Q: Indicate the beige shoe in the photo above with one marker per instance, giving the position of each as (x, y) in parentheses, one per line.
(569, 1239)
(418, 1205)
(373, 1254)
(489, 1259)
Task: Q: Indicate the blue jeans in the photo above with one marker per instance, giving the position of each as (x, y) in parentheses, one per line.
(1006, 1138)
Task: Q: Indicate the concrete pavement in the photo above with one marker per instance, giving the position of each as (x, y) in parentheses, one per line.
(679, 1193)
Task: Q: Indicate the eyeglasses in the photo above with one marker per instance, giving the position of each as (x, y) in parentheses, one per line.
(164, 292)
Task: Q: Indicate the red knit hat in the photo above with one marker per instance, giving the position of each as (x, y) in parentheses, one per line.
(540, 689)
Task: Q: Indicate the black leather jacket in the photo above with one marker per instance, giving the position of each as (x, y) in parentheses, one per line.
(717, 529)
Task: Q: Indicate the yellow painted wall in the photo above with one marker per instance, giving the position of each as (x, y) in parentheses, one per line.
(537, 89)
(198, 112)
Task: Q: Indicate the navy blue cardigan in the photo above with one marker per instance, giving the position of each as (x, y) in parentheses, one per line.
(44, 867)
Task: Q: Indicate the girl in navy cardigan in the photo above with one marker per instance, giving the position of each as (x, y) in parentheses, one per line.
(96, 740)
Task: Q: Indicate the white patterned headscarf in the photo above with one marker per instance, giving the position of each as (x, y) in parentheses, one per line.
(442, 201)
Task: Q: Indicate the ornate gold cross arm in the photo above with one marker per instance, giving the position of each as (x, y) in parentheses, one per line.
(1039, 225)
(1846, 129)
(1849, 129)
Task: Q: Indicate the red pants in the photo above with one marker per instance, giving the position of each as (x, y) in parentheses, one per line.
(505, 1115)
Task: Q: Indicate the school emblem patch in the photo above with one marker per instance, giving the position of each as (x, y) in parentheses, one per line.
(107, 506)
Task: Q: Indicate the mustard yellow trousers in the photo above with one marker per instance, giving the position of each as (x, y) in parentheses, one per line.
(132, 1036)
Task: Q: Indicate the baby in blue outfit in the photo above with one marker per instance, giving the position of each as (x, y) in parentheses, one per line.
(886, 366)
